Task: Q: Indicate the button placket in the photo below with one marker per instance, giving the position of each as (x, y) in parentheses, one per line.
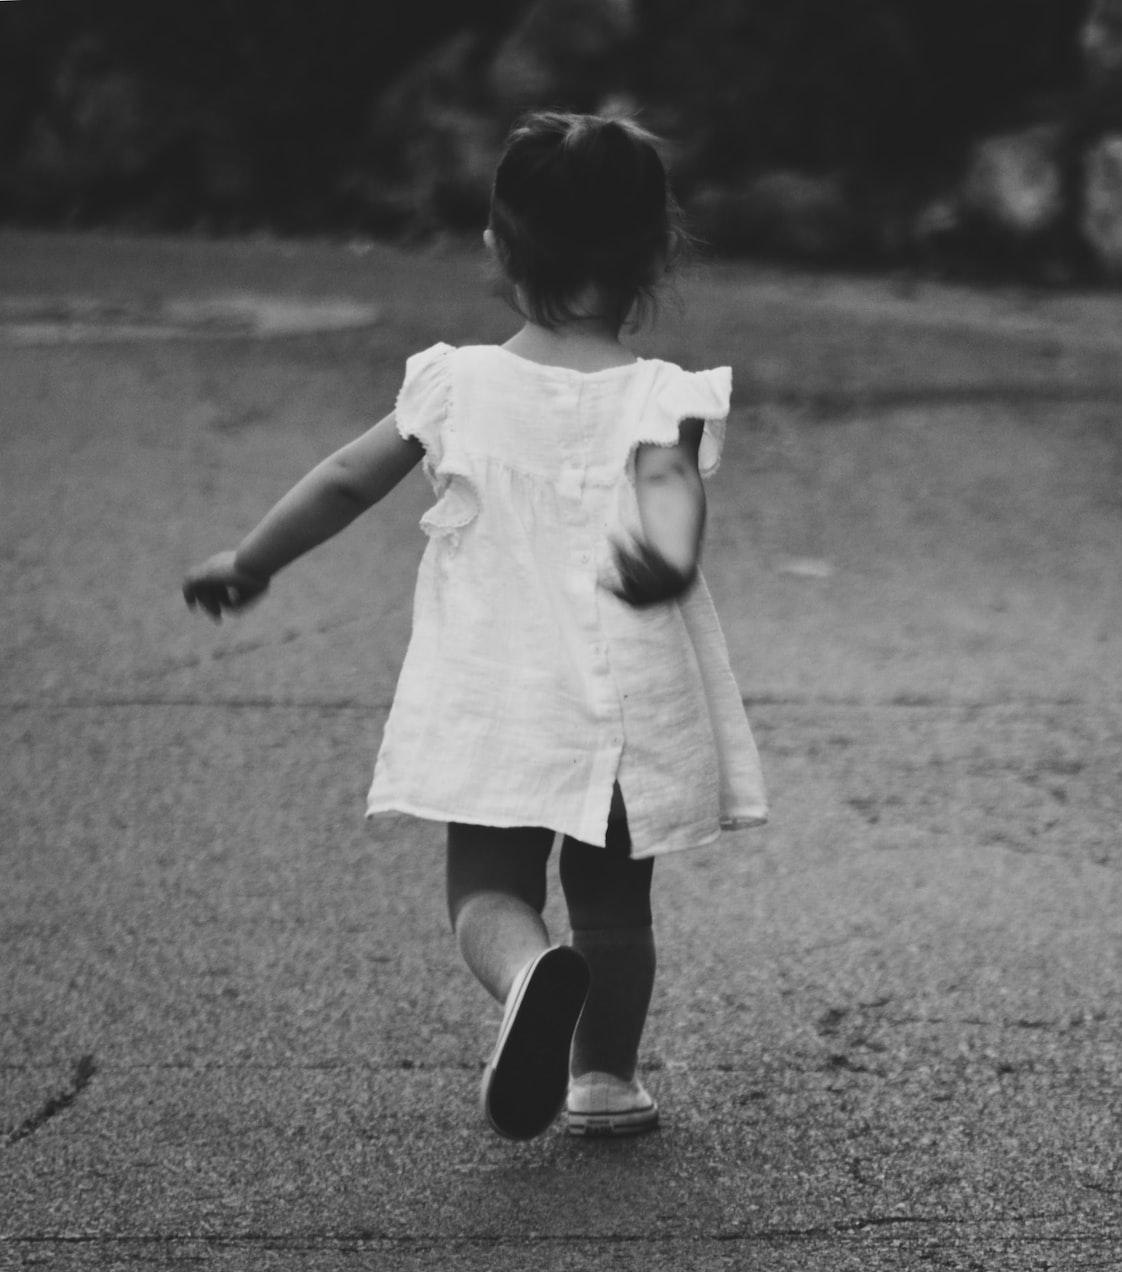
(573, 477)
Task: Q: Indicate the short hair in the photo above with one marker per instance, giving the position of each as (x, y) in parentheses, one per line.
(579, 201)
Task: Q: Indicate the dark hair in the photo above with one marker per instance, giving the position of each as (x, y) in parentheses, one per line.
(580, 201)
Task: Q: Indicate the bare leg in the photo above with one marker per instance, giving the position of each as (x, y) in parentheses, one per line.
(496, 891)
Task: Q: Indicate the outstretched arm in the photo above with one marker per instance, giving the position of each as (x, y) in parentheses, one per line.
(671, 498)
(321, 504)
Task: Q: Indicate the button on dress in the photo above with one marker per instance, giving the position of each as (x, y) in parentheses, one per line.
(528, 689)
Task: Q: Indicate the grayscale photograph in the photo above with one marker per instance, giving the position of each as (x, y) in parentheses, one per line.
(561, 660)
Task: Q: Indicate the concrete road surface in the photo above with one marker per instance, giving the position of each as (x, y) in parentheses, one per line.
(887, 1032)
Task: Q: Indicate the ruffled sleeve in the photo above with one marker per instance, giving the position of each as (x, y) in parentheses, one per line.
(677, 395)
(700, 395)
(424, 411)
(423, 399)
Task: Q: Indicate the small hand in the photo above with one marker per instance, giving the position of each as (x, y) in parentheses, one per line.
(218, 584)
(646, 577)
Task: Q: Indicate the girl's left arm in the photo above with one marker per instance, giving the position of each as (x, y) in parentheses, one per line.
(663, 564)
(321, 504)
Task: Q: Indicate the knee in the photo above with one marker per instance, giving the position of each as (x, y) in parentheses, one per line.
(464, 895)
(486, 909)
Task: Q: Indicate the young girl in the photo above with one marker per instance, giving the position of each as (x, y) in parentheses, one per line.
(566, 673)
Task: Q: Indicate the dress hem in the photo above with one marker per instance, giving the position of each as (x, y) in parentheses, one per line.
(508, 823)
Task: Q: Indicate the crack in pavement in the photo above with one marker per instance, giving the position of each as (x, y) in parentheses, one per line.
(84, 1071)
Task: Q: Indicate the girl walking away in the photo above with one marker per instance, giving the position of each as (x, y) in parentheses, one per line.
(566, 675)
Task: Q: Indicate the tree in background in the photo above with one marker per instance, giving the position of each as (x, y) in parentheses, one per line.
(174, 109)
(825, 122)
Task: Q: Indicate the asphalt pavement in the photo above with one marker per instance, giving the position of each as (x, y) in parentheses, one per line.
(887, 1029)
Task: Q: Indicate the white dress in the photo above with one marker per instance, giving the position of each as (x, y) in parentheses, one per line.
(528, 689)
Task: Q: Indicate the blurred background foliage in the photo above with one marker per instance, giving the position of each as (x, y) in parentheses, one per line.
(960, 133)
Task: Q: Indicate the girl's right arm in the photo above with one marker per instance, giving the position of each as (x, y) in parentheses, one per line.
(321, 504)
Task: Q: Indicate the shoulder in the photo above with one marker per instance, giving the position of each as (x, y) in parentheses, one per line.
(455, 390)
(675, 396)
(441, 362)
(428, 361)
(703, 395)
(422, 400)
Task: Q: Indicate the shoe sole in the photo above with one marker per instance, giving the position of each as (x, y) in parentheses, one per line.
(631, 1122)
(527, 1079)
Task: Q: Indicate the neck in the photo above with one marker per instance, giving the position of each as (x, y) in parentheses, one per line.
(585, 344)
(592, 320)
(586, 329)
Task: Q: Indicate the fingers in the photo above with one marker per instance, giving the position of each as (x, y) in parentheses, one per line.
(646, 577)
(211, 598)
(218, 585)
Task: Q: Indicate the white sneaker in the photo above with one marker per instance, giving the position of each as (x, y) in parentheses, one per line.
(524, 1084)
(602, 1104)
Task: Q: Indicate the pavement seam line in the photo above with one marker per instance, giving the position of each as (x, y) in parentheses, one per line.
(909, 702)
(854, 1227)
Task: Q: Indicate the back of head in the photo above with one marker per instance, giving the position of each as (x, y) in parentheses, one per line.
(581, 203)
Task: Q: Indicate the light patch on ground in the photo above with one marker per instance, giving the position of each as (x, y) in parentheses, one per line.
(36, 320)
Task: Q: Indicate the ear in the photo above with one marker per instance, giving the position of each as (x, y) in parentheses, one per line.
(489, 240)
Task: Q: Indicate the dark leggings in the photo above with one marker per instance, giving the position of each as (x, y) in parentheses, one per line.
(604, 887)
